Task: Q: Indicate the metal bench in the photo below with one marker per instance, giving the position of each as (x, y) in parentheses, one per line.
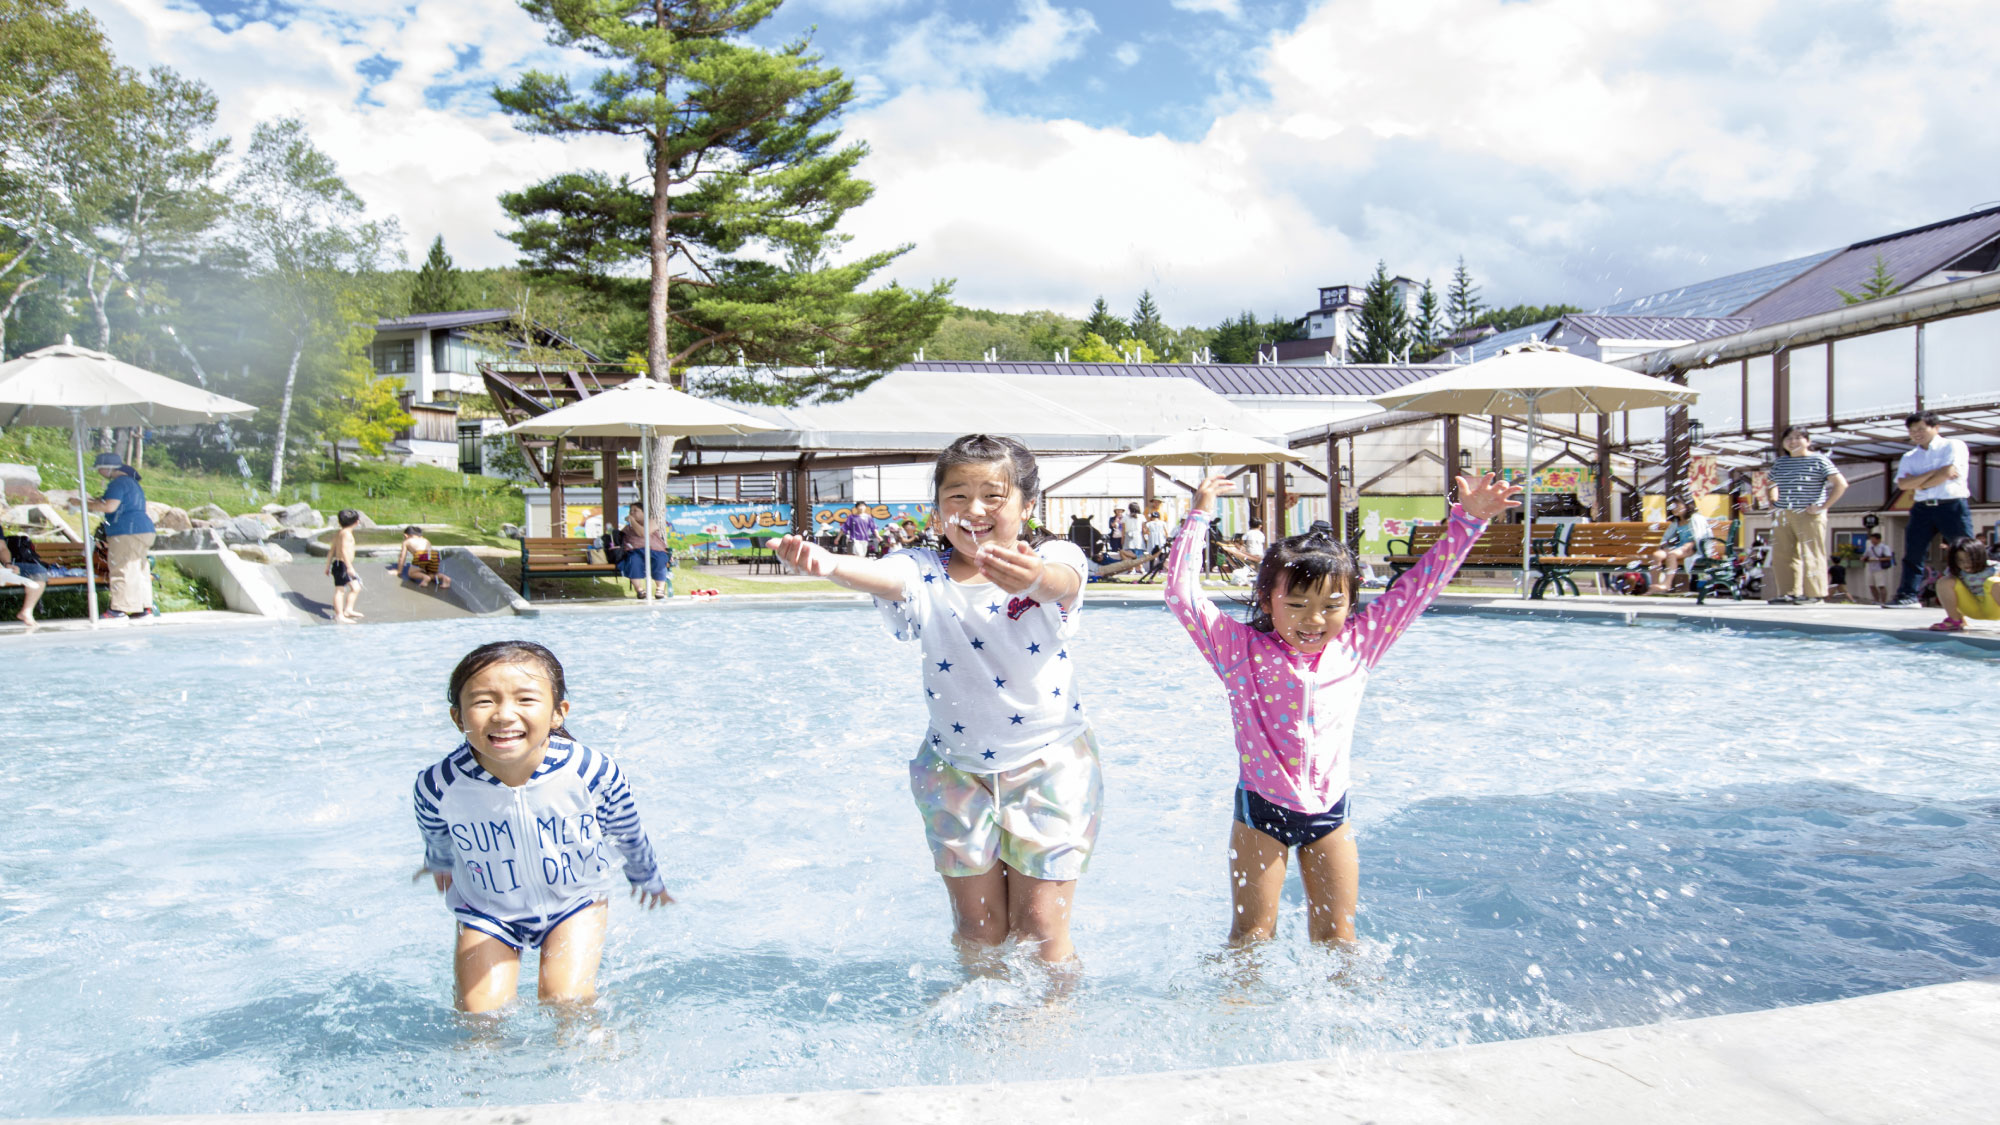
(1593, 548)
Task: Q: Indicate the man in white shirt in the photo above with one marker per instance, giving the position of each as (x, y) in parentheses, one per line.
(1936, 470)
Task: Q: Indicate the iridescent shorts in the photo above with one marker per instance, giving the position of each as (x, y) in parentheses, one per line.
(1041, 818)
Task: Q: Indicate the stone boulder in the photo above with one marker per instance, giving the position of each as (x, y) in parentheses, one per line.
(26, 474)
(301, 515)
(272, 509)
(166, 517)
(18, 491)
(270, 554)
(208, 512)
(247, 529)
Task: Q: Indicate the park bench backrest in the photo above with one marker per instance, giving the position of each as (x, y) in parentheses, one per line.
(1620, 540)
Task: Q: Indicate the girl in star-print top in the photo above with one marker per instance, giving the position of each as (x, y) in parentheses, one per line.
(1294, 677)
(1006, 776)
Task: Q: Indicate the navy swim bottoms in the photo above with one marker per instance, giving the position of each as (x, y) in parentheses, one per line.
(1286, 826)
(341, 574)
(528, 933)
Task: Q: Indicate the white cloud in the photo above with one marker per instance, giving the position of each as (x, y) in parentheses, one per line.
(939, 50)
(1126, 54)
(1230, 8)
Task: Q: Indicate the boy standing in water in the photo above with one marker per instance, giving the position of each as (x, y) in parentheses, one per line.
(340, 564)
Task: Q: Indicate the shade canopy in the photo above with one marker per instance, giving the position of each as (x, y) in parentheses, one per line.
(1539, 379)
(1209, 445)
(641, 406)
(59, 385)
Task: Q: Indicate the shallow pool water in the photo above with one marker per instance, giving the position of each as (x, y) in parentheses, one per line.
(208, 904)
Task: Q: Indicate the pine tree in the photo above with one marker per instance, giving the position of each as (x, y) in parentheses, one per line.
(1382, 331)
(1102, 324)
(1880, 283)
(1146, 323)
(1426, 332)
(437, 287)
(1462, 305)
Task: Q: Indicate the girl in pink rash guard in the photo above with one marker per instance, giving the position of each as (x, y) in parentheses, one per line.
(1294, 677)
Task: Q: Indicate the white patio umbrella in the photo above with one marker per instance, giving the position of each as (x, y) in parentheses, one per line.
(69, 385)
(1207, 445)
(644, 408)
(1535, 378)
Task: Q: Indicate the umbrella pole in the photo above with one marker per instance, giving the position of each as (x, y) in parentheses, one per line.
(1528, 509)
(646, 493)
(83, 499)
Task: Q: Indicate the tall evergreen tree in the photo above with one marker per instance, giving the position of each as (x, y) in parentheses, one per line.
(1462, 304)
(1102, 324)
(1146, 323)
(745, 184)
(1427, 331)
(437, 287)
(1880, 283)
(1382, 331)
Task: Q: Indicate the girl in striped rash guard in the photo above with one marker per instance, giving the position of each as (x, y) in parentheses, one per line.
(519, 826)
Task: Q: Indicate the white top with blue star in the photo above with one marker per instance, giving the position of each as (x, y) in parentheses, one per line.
(999, 676)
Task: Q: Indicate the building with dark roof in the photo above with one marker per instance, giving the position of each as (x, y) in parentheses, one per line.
(1918, 258)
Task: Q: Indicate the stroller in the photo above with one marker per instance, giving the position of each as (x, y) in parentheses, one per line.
(1718, 569)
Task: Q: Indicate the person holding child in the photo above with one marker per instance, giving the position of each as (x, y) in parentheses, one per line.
(514, 824)
(1006, 777)
(1294, 677)
(634, 537)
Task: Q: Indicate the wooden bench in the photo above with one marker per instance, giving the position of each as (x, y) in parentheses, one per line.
(1594, 548)
(1499, 548)
(565, 558)
(66, 555)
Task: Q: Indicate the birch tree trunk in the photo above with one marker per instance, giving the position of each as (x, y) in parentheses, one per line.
(7, 310)
(285, 418)
(658, 347)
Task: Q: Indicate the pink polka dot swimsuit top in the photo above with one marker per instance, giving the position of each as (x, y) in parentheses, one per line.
(1294, 712)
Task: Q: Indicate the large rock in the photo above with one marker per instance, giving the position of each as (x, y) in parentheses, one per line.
(166, 517)
(18, 491)
(268, 553)
(26, 474)
(246, 529)
(208, 512)
(272, 509)
(301, 515)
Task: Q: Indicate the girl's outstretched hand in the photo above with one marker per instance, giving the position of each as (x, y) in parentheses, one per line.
(807, 557)
(1217, 485)
(1014, 568)
(1487, 496)
(652, 899)
(441, 878)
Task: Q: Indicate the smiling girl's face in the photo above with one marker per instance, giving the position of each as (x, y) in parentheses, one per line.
(507, 711)
(979, 504)
(1308, 617)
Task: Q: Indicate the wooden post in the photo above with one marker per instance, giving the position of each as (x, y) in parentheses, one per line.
(1450, 458)
(558, 523)
(1829, 382)
(1263, 505)
(611, 520)
(1920, 366)
(801, 501)
(1602, 509)
(1985, 490)
(1282, 495)
(1677, 452)
(1781, 396)
(1499, 448)
(1336, 504)
(1743, 403)
(1146, 490)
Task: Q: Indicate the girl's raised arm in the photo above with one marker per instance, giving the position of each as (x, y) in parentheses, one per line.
(1214, 632)
(1374, 629)
(869, 576)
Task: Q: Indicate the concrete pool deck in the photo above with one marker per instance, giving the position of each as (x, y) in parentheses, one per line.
(1925, 1054)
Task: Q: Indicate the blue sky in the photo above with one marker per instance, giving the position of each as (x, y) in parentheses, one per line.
(1223, 153)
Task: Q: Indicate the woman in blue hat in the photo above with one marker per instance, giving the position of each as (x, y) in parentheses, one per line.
(128, 536)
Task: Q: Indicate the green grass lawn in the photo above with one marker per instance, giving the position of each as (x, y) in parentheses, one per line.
(389, 494)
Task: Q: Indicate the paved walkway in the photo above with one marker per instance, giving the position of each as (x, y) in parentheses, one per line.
(1918, 1055)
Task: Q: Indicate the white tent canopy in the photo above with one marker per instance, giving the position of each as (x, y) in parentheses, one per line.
(921, 411)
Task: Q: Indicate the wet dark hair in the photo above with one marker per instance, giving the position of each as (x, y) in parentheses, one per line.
(1974, 548)
(1927, 417)
(348, 517)
(509, 652)
(412, 529)
(986, 449)
(1304, 561)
